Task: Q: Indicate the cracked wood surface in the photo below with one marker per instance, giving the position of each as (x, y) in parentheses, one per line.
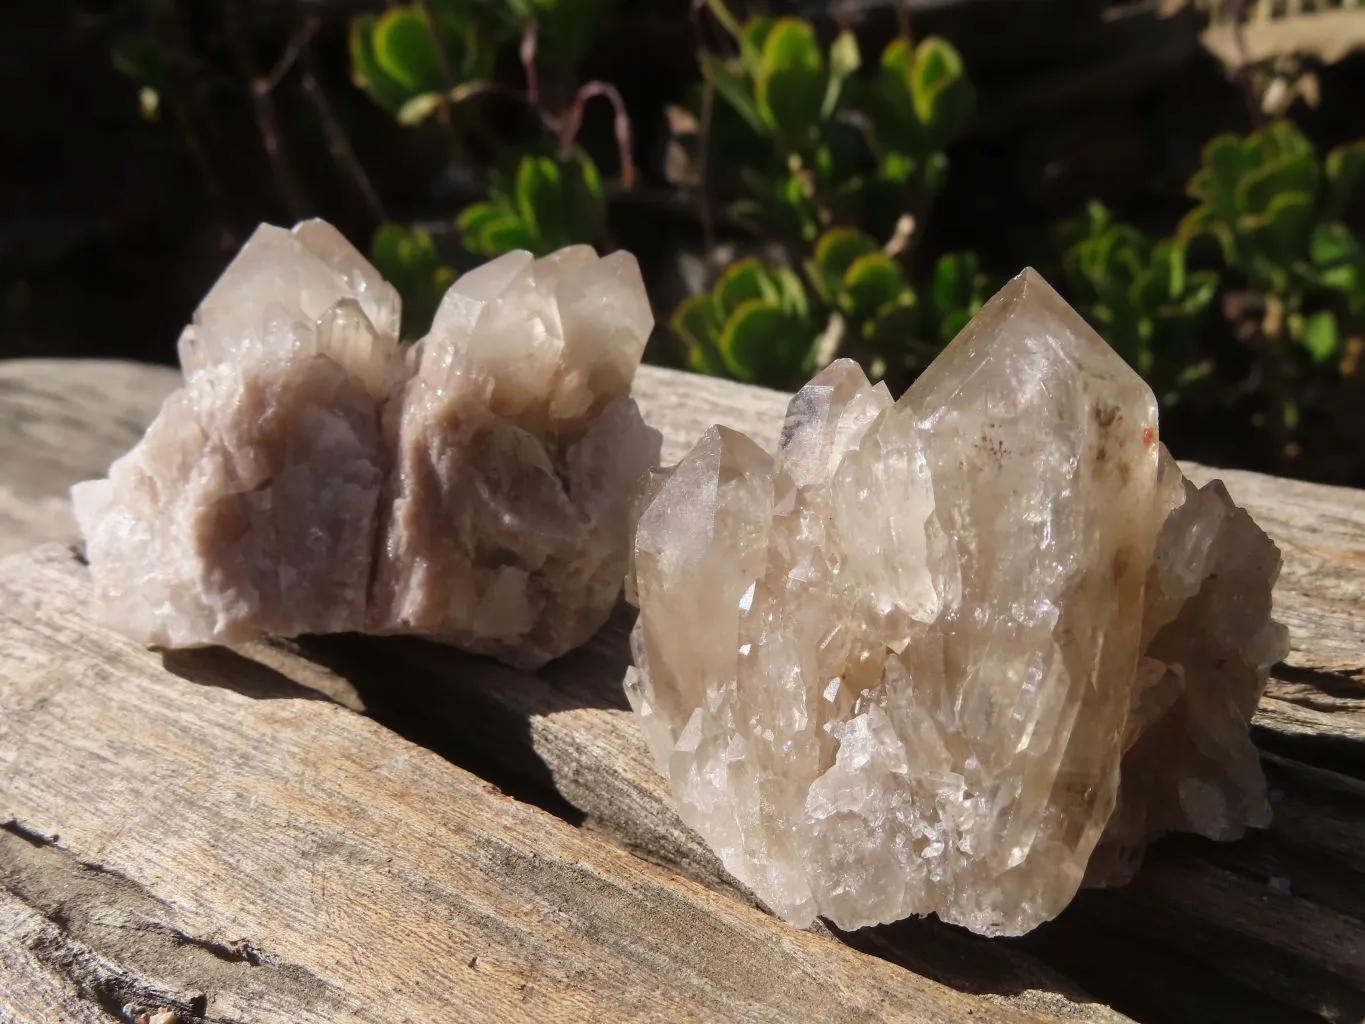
(269, 855)
(1269, 929)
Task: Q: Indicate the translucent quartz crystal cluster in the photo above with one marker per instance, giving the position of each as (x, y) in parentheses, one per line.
(314, 476)
(942, 655)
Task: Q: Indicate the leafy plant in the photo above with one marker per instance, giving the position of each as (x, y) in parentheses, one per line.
(1275, 209)
(1136, 292)
(407, 258)
(767, 325)
(755, 325)
(545, 205)
(811, 143)
(406, 63)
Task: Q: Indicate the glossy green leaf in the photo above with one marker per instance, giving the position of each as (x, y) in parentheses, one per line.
(1263, 185)
(1345, 165)
(896, 104)
(698, 324)
(1282, 232)
(761, 342)
(870, 283)
(837, 248)
(752, 41)
(1226, 162)
(366, 71)
(956, 280)
(743, 281)
(791, 88)
(943, 95)
(403, 47)
(1320, 336)
(736, 90)
(844, 61)
(540, 193)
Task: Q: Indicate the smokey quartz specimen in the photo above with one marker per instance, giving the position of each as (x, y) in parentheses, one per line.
(901, 667)
(517, 449)
(312, 476)
(251, 504)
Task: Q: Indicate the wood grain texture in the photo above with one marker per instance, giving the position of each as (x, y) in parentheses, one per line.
(62, 422)
(270, 856)
(1269, 929)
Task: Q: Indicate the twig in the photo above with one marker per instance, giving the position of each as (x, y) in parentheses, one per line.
(337, 143)
(573, 121)
(708, 107)
(301, 38)
(286, 183)
(529, 43)
(708, 110)
(182, 103)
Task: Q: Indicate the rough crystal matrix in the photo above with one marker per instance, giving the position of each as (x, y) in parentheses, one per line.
(903, 666)
(312, 476)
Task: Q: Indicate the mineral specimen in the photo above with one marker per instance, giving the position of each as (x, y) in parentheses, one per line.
(517, 450)
(250, 506)
(312, 476)
(901, 667)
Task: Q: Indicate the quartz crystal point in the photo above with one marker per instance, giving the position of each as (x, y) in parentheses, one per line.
(517, 451)
(313, 477)
(251, 504)
(901, 667)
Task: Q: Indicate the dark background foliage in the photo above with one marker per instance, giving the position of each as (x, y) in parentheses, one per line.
(132, 172)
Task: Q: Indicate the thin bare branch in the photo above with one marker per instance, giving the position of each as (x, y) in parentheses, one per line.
(337, 143)
(529, 42)
(573, 121)
(300, 39)
(267, 123)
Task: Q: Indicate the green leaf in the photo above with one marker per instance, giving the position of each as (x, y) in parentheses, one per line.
(955, 280)
(870, 283)
(736, 90)
(698, 325)
(366, 71)
(844, 61)
(1262, 186)
(1338, 258)
(791, 292)
(897, 103)
(491, 229)
(837, 248)
(743, 282)
(404, 49)
(540, 193)
(753, 38)
(1345, 164)
(1282, 232)
(408, 258)
(1226, 161)
(791, 89)
(762, 343)
(943, 95)
(1320, 336)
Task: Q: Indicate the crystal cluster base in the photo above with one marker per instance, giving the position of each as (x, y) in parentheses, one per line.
(943, 655)
(314, 476)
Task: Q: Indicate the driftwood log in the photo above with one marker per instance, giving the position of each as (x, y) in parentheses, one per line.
(355, 829)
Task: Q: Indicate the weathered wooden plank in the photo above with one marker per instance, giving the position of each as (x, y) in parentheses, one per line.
(572, 716)
(263, 856)
(60, 422)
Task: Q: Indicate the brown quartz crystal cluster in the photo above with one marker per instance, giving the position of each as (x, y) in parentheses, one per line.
(314, 476)
(956, 653)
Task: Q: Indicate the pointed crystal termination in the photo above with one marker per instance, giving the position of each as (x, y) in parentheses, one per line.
(517, 451)
(312, 477)
(250, 506)
(896, 668)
